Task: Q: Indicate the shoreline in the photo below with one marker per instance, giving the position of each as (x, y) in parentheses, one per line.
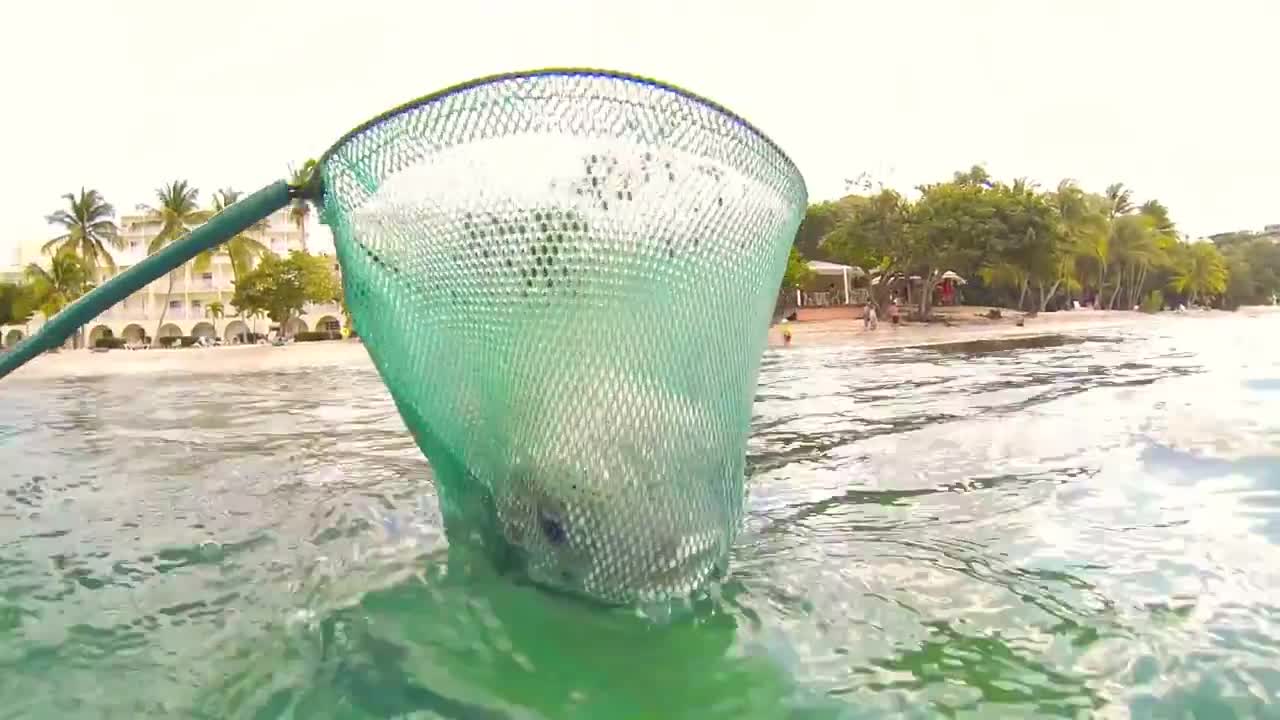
(962, 324)
(841, 330)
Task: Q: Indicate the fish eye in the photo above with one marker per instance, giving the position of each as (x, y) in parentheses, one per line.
(552, 529)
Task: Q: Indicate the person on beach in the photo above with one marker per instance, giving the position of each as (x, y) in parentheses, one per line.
(869, 319)
(895, 313)
(786, 332)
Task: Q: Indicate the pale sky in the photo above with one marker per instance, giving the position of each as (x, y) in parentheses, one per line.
(1176, 99)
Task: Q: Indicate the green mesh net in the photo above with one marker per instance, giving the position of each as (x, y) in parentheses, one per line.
(565, 280)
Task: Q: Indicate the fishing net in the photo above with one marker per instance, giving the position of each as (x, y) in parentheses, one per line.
(565, 280)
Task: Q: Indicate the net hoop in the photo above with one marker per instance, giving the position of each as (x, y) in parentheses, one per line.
(317, 192)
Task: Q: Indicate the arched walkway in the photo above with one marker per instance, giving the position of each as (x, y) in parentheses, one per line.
(204, 329)
(99, 332)
(236, 331)
(13, 337)
(294, 326)
(170, 330)
(133, 333)
(328, 324)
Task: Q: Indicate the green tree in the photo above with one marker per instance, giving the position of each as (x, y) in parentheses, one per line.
(1242, 287)
(242, 249)
(215, 311)
(1159, 215)
(1029, 241)
(954, 226)
(975, 176)
(820, 219)
(346, 311)
(1159, 236)
(281, 287)
(1119, 200)
(1085, 234)
(798, 271)
(1015, 238)
(1200, 271)
(1253, 269)
(52, 290)
(1135, 246)
(17, 303)
(89, 230)
(873, 234)
(178, 212)
(300, 208)
(999, 273)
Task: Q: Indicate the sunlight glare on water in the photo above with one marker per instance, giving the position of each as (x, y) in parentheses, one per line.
(1071, 529)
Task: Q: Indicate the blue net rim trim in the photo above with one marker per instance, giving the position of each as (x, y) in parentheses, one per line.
(555, 72)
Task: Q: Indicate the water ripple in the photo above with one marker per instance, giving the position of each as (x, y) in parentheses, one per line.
(1067, 526)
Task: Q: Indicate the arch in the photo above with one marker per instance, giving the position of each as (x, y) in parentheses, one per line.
(13, 337)
(236, 332)
(329, 324)
(204, 329)
(133, 332)
(169, 330)
(294, 326)
(99, 332)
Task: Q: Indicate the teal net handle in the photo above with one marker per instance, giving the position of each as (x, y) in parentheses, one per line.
(236, 218)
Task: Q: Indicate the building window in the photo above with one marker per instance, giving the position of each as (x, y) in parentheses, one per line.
(207, 277)
(175, 304)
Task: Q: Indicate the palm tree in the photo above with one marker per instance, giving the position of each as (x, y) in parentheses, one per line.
(1023, 186)
(1163, 236)
(241, 249)
(177, 212)
(215, 311)
(67, 278)
(1064, 276)
(1159, 215)
(90, 230)
(346, 311)
(253, 316)
(1119, 200)
(16, 303)
(1200, 270)
(1135, 247)
(1009, 275)
(1087, 238)
(300, 208)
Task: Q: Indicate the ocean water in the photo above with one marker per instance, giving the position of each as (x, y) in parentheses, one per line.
(1082, 526)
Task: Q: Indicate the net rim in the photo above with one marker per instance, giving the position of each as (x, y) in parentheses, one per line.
(451, 90)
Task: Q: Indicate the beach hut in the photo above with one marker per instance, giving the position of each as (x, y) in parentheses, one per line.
(828, 271)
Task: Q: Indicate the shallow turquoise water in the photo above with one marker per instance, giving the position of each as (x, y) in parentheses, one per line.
(1082, 529)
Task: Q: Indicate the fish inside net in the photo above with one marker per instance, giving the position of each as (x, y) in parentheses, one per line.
(565, 280)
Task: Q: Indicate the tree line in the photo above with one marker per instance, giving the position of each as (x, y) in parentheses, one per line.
(81, 256)
(1032, 249)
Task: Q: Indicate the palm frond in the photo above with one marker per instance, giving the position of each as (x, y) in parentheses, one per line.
(50, 245)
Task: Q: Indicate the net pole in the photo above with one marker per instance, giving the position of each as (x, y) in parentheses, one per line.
(236, 218)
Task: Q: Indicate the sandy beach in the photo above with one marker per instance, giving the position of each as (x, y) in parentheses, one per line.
(843, 326)
(825, 327)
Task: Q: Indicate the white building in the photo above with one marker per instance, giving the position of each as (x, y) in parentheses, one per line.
(186, 308)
